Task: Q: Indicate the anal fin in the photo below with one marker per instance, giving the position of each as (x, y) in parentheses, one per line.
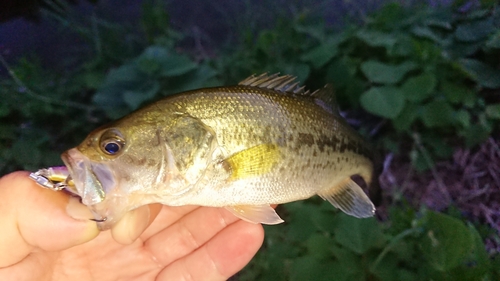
(256, 213)
(350, 198)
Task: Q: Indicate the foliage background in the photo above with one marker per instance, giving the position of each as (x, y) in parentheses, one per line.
(421, 81)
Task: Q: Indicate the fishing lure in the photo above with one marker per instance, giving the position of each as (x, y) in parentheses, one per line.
(54, 178)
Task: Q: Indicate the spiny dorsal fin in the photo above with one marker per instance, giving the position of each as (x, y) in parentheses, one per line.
(283, 83)
(286, 83)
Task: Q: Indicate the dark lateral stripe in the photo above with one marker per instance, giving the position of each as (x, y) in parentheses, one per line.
(336, 143)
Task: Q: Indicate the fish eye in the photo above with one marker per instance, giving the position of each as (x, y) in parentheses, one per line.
(112, 147)
(111, 142)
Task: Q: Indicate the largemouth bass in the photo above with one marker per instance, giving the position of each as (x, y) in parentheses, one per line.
(244, 147)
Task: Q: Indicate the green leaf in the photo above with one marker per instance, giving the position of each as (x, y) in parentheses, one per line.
(379, 72)
(376, 38)
(428, 53)
(407, 275)
(476, 134)
(310, 268)
(436, 145)
(442, 19)
(478, 263)
(318, 245)
(301, 213)
(427, 32)
(110, 95)
(459, 50)
(438, 113)
(354, 90)
(158, 60)
(265, 41)
(403, 47)
(476, 14)
(123, 76)
(338, 73)
(177, 65)
(93, 80)
(482, 73)
(407, 116)
(8, 132)
(475, 31)
(315, 31)
(494, 41)
(458, 93)
(420, 87)
(321, 55)
(390, 16)
(383, 101)
(203, 76)
(149, 65)
(463, 118)
(4, 109)
(447, 241)
(495, 265)
(350, 263)
(358, 235)
(324, 220)
(388, 270)
(134, 98)
(493, 111)
(300, 70)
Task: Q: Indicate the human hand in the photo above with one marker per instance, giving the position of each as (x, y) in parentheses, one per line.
(39, 240)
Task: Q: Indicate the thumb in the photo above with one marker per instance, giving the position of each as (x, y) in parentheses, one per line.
(32, 217)
(133, 223)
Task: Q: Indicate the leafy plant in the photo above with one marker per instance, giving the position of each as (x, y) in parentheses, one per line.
(33, 103)
(318, 243)
(43, 113)
(141, 80)
(429, 78)
(423, 70)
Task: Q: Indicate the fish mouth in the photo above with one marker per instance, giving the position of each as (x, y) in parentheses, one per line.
(92, 181)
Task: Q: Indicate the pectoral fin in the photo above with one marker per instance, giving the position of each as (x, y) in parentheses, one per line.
(350, 198)
(254, 161)
(256, 214)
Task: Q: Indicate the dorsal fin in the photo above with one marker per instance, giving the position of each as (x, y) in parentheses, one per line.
(283, 83)
(324, 97)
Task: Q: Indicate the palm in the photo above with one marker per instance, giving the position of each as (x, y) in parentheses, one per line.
(182, 243)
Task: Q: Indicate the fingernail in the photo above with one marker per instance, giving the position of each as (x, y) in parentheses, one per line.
(77, 210)
(130, 227)
(80, 212)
